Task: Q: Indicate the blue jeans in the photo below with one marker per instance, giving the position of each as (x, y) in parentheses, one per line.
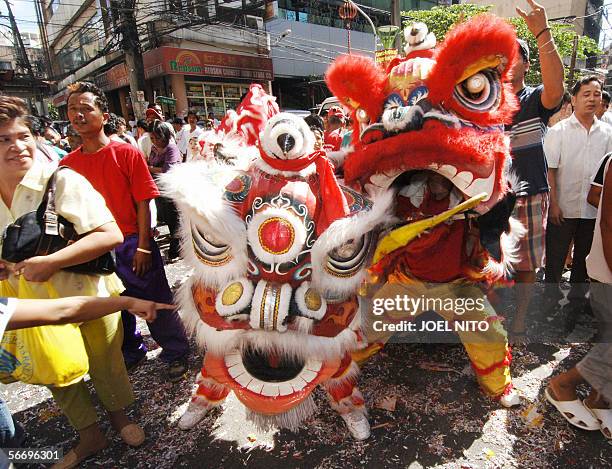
(11, 434)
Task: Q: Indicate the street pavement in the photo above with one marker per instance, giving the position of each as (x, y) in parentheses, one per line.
(426, 410)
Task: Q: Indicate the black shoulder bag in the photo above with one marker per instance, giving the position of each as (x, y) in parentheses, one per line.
(44, 232)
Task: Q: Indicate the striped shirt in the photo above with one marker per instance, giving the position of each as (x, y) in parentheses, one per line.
(526, 143)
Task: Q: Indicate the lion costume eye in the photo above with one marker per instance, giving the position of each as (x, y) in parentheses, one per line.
(348, 259)
(479, 92)
(209, 250)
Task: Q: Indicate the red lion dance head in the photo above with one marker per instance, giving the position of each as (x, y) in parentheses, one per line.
(441, 115)
(429, 130)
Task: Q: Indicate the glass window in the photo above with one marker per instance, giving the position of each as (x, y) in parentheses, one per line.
(216, 106)
(213, 91)
(195, 90)
(218, 98)
(231, 103)
(231, 91)
(326, 13)
(83, 46)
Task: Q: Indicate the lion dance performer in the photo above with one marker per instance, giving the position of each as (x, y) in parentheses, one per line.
(278, 251)
(429, 130)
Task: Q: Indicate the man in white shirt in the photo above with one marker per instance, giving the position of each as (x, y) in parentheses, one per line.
(602, 113)
(594, 412)
(144, 139)
(181, 130)
(190, 131)
(573, 149)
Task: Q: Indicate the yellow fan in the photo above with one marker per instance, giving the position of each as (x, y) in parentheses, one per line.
(400, 237)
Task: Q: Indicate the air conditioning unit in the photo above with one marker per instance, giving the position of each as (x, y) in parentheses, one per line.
(254, 22)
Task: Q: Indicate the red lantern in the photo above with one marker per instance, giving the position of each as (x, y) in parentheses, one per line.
(348, 12)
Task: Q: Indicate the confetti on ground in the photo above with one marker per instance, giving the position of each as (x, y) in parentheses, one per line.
(429, 366)
(532, 417)
(489, 453)
(440, 419)
(387, 403)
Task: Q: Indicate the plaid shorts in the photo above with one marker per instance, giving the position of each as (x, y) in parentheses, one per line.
(532, 212)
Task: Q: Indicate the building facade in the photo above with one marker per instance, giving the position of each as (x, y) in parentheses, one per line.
(15, 76)
(306, 35)
(196, 55)
(34, 51)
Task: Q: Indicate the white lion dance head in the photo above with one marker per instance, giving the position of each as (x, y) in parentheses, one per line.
(278, 251)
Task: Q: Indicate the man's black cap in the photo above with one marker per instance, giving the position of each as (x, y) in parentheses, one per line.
(523, 49)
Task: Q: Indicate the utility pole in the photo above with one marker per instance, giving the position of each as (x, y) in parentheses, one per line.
(396, 19)
(43, 37)
(22, 56)
(570, 77)
(133, 52)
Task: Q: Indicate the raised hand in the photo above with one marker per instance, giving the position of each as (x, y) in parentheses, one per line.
(536, 19)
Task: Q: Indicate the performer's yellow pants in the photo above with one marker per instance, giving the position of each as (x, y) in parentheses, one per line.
(487, 350)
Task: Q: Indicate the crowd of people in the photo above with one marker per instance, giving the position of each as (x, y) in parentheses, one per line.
(561, 142)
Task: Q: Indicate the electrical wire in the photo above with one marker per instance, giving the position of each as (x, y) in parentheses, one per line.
(295, 38)
(59, 3)
(290, 42)
(290, 45)
(52, 37)
(97, 26)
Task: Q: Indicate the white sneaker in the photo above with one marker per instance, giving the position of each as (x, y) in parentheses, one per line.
(511, 399)
(193, 415)
(357, 424)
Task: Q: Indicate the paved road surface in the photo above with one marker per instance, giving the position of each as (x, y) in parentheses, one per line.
(425, 409)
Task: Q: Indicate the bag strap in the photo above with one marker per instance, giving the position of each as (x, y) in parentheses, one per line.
(47, 206)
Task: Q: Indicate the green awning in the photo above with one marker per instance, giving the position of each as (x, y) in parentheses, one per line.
(165, 100)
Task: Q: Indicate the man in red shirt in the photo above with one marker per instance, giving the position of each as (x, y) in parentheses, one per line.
(119, 172)
(332, 138)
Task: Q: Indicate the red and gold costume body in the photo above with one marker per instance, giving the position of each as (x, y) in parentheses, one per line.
(273, 295)
(439, 112)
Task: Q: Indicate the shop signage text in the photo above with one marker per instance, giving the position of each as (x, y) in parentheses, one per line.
(190, 62)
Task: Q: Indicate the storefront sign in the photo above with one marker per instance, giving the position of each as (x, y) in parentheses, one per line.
(116, 77)
(165, 100)
(383, 57)
(171, 60)
(60, 99)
